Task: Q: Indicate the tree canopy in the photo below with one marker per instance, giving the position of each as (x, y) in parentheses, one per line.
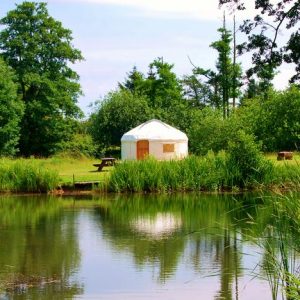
(11, 111)
(40, 51)
(269, 51)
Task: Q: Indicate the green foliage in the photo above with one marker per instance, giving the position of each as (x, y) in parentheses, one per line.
(275, 120)
(26, 176)
(150, 175)
(268, 50)
(11, 111)
(134, 82)
(221, 85)
(209, 131)
(246, 163)
(40, 51)
(162, 86)
(80, 145)
(117, 113)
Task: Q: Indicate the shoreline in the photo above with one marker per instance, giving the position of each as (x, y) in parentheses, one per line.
(72, 191)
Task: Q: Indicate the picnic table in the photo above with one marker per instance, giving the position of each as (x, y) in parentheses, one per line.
(105, 161)
(282, 155)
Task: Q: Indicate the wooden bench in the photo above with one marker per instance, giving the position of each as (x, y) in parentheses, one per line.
(105, 161)
(284, 155)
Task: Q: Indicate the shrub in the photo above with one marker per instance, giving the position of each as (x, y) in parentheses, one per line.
(246, 164)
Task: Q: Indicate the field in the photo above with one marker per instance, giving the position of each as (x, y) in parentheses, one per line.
(73, 170)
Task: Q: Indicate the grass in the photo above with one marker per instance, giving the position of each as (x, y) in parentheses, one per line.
(44, 175)
(213, 172)
(78, 169)
(208, 173)
(26, 176)
(281, 245)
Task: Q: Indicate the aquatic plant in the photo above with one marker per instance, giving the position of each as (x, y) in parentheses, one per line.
(280, 244)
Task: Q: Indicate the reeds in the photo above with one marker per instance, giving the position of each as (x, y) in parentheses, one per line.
(287, 175)
(280, 242)
(26, 176)
(208, 173)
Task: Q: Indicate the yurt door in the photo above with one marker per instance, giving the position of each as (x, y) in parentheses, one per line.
(142, 149)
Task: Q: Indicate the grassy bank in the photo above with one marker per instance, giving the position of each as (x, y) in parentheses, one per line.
(44, 175)
(213, 172)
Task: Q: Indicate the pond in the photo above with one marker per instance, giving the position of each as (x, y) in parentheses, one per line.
(136, 247)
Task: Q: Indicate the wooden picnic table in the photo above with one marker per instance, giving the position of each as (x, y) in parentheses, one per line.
(105, 161)
(282, 155)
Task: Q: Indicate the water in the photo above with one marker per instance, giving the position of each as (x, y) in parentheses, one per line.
(138, 247)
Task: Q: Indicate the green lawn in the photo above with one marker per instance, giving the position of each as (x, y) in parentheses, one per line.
(79, 169)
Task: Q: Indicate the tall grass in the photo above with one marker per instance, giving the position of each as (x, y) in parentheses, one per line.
(243, 166)
(26, 176)
(287, 175)
(280, 242)
(213, 172)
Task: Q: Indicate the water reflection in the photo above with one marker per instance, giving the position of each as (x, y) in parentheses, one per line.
(159, 246)
(39, 248)
(164, 231)
(163, 224)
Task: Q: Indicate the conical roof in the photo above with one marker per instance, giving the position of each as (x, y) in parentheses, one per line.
(154, 130)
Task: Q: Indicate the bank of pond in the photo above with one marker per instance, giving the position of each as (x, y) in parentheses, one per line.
(213, 173)
(154, 246)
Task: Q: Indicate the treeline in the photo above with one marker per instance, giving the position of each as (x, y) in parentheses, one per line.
(271, 117)
(39, 91)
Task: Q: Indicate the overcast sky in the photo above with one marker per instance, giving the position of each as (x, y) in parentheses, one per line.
(115, 35)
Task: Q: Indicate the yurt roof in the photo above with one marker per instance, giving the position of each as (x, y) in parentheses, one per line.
(154, 130)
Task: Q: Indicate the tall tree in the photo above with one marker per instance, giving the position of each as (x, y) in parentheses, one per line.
(162, 86)
(223, 66)
(225, 82)
(134, 82)
(263, 34)
(40, 51)
(11, 111)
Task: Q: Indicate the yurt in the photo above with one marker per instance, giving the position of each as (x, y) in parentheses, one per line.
(154, 138)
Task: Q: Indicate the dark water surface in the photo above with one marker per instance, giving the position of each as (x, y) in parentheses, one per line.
(134, 247)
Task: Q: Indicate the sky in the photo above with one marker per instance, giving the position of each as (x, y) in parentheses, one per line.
(116, 35)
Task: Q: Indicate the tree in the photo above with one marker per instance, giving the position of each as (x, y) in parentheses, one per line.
(39, 49)
(197, 92)
(162, 87)
(134, 82)
(119, 112)
(225, 83)
(223, 66)
(11, 111)
(275, 120)
(263, 31)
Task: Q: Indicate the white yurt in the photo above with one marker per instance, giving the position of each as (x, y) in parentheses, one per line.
(154, 138)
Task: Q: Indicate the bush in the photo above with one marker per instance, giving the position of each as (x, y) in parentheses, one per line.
(80, 145)
(246, 164)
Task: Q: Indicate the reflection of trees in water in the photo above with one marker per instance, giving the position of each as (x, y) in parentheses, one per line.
(40, 245)
(205, 235)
